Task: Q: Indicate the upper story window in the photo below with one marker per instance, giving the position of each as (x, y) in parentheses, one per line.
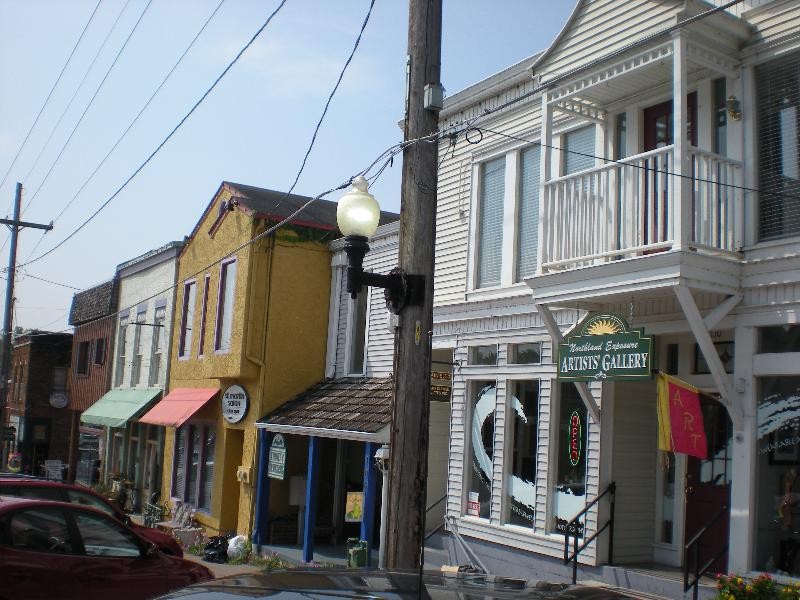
(59, 379)
(122, 342)
(203, 313)
(778, 124)
(157, 350)
(187, 318)
(490, 223)
(525, 354)
(579, 150)
(357, 334)
(482, 355)
(99, 351)
(779, 338)
(136, 366)
(82, 360)
(225, 300)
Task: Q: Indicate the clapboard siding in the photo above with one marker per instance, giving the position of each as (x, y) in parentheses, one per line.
(773, 22)
(634, 460)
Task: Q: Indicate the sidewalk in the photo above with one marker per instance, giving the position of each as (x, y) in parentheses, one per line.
(223, 570)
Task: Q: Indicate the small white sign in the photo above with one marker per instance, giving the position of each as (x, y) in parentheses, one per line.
(473, 505)
(58, 400)
(234, 404)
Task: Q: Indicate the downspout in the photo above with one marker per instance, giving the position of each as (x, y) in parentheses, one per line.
(259, 360)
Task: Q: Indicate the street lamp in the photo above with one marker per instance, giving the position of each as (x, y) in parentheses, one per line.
(357, 215)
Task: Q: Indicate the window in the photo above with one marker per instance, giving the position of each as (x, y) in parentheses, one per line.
(85, 499)
(525, 354)
(725, 351)
(358, 333)
(579, 150)
(59, 379)
(99, 351)
(203, 312)
(136, 367)
(157, 351)
(720, 117)
(193, 474)
(478, 470)
(187, 319)
(482, 355)
(778, 138)
(103, 537)
(122, 342)
(528, 222)
(780, 338)
(570, 482)
(82, 361)
(227, 287)
(490, 222)
(39, 530)
(621, 136)
(520, 489)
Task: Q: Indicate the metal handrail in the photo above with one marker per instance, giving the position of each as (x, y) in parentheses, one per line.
(694, 545)
(576, 550)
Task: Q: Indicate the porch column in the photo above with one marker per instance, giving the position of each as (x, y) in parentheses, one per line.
(370, 494)
(312, 476)
(261, 522)
(545, 155)
(680, 197)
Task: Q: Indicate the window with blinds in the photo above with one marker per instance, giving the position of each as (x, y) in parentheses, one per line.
(579, 146)
(528, 214)
(778, 123)
(179, 476)
(490, 223)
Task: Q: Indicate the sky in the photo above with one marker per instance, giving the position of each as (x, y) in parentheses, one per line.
(253, 128)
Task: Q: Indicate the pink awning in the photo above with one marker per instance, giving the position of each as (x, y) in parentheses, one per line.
(178, 406)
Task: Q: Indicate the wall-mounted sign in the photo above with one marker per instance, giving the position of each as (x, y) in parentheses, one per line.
(276, 468)
(574, 438)
(58, 400)
(234, 404)
(441, 383)
(602, 347)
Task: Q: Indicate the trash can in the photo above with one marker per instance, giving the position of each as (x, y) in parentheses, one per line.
(356, 552)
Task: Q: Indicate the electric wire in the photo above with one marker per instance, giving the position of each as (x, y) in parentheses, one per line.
(91, 101)
(75, 93)
(160, 145)
(130, 125)
(49, 94)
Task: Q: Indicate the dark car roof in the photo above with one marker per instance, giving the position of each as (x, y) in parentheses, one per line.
(347, 583)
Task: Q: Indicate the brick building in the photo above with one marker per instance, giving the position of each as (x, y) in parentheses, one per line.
(37, 398)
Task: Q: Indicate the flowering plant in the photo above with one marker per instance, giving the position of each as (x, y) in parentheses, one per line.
(763, 587)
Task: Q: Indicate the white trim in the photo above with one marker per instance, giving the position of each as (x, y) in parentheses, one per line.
(381, 436)
(333, 320)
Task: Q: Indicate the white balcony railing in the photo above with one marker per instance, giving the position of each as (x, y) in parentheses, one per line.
(623, 209)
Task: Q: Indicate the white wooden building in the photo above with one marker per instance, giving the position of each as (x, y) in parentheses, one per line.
(645, 165)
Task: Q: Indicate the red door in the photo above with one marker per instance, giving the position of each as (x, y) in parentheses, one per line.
(658, 133)
(708, 487)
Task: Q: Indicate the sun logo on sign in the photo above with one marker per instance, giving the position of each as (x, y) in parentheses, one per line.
(604, 327)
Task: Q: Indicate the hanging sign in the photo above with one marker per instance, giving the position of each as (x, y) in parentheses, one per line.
(680, 418)
(234, 404)
(441, 383)
(603, 347)
(276, 468)
(58, 400)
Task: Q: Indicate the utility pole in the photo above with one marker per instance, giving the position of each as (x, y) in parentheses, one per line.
(408, 463)
(5, 369)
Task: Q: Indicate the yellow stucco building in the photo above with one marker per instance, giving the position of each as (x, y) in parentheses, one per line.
(249, 333)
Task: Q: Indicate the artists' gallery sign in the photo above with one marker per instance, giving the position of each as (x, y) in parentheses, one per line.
(603, 347)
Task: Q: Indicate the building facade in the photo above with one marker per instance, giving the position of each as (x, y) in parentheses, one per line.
(37, 402)
(646, 166)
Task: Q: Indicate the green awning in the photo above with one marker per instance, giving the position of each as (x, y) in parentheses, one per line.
(118, 406)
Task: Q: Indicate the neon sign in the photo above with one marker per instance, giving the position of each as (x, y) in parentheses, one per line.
(574, 438)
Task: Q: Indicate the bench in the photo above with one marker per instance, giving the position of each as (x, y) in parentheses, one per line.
(152, 514)
(182, 518)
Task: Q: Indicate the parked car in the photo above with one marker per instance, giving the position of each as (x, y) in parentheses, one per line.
(374, 584)
(46, 489)
(58, 550)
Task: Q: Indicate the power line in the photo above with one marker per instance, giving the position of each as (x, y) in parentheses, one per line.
(50, 93)
(163, 142)
(130, 125)
(32, 276)
(91, 101)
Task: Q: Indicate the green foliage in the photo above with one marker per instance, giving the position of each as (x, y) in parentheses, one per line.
(763, 587)
(271, 562)
(244, 559)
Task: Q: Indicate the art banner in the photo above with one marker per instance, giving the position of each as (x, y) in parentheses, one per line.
(680, 419)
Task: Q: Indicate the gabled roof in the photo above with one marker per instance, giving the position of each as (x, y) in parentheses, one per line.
(93, 303)
(345, 408)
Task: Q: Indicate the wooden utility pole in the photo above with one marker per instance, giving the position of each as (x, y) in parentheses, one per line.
(5, 368)
(408, 468)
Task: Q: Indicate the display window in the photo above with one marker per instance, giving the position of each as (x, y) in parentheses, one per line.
(569, 493)
(478, 476)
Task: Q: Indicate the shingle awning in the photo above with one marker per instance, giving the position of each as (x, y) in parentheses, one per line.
(178, 406)
(119, 406)
(346, 408)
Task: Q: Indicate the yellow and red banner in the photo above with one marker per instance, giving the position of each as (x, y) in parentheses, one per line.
(680, 419)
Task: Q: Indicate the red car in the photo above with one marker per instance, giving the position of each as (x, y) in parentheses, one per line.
(44, 489)
(59, 550)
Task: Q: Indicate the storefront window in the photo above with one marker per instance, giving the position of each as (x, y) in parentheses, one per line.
(667, 506)
(193, 473)
(778, 489)
(520, 479)
(478, 477)
(783, 338)
(570, 485)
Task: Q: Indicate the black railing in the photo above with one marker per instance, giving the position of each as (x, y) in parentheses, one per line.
(574, 527)
(692, 549)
